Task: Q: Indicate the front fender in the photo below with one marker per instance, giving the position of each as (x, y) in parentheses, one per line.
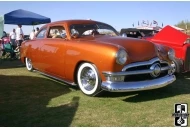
(102, 56)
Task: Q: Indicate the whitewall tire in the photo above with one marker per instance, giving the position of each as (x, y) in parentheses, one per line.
(29, 64)
(88, 79)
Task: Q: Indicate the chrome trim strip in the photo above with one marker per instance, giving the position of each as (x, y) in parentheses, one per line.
(67, 82)
(165, 68)
(139, 85)
(142, 63)
(135, 72)
(127, 73)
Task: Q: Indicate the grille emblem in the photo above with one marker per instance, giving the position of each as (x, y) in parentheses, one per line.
(156, 68)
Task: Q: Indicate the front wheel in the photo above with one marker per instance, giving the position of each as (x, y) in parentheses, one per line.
(88, 79)
(29, 64)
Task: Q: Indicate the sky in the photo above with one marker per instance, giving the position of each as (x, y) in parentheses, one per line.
(118, 14)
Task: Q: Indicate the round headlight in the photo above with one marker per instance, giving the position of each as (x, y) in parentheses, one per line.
(171, 54)
(121, 57)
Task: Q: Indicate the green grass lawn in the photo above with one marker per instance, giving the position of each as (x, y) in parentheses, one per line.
(31, 99)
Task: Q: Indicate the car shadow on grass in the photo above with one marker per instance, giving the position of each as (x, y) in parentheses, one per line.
(7, 64)
(31, 101)
(179, 87)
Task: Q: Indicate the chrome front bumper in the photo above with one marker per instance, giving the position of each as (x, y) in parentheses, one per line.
(139, 85)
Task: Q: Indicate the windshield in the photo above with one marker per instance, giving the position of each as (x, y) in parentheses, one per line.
(93, 29)
(148, 33)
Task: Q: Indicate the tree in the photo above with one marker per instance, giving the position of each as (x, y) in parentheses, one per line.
(183, 23)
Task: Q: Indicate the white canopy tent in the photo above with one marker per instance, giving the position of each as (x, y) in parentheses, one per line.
(180, 29)
(147, 28)
(150, 28)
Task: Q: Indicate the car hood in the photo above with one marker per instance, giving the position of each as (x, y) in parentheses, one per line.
(170, 35)
(137, 49)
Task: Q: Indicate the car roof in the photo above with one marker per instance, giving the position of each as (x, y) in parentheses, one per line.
(130, 29)
(124, 30)
(73, 21)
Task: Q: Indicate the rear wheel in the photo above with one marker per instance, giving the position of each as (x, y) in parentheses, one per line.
(88, 79)
(29, 64)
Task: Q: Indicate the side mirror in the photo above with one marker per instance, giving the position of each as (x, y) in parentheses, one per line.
(74, 33)
(124, 35)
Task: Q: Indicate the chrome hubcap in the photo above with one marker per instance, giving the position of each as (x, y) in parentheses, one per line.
(29, 63)
(88, 78)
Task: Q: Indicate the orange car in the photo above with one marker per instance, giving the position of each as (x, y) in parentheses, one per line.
(93, 56)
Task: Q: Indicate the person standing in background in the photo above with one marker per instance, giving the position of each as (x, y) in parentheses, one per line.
(37, 29)
(12, 37)
(32, 34)
(19, 35)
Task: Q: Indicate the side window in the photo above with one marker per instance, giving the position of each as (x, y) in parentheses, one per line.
(41, 34)
(56, 32)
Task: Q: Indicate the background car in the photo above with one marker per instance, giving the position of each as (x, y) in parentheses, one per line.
(95, 57)
(138, 33)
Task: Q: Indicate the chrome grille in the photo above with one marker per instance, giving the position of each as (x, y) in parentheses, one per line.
(145, 67)
(144, 63)
(142, 77)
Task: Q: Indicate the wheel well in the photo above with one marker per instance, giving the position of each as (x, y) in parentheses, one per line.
(24, 59)
(76, 69)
